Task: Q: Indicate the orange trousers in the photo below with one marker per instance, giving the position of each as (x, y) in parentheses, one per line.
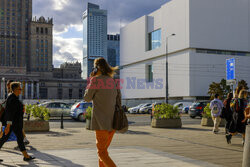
(103, 140)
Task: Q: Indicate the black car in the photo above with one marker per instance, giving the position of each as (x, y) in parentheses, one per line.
(197, 108)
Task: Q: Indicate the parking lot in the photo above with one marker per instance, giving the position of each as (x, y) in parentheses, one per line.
(134, 120)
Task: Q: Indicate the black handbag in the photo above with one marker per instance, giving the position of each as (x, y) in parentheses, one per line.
(120, 121)
(223, 113)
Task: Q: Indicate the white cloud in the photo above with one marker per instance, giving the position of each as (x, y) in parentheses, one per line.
(59, 4)
(69, 49)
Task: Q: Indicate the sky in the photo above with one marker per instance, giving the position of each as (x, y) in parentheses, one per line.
(67, 19)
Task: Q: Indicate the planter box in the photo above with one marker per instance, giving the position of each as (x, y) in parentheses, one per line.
(209, 122)
(36, 126)
(88, 124)
(166, 123)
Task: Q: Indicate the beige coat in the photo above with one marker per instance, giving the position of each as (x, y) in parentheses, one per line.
(104, 100)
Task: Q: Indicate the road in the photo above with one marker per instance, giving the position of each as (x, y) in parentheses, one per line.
(134, 120)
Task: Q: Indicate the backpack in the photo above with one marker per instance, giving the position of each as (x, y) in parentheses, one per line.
(215, 108)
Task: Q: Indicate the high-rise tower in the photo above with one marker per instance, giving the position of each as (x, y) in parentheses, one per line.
(15, 17)
(94, 37)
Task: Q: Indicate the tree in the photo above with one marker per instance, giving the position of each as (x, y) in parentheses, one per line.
(219, 88)
(215, 88)
(225, 88)
(243, 83)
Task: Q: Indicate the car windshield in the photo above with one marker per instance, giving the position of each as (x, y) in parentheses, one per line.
(86, 105)
(195, 104)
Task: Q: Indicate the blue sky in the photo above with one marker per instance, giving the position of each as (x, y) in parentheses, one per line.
(68, 26)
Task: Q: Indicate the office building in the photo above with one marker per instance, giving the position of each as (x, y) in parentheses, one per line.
(197, 37)
(15, 17)
(94, 37)
(113, 50)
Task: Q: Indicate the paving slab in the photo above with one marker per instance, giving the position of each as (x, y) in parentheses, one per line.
(192, 141)
(122, 156)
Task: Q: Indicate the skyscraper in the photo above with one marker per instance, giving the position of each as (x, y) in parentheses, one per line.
(113, 50)
(24, 42)
(14, 32)
(41, 45)
(94, 37)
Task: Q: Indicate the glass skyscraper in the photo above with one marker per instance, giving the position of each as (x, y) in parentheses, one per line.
(114, 50)
(94, 37)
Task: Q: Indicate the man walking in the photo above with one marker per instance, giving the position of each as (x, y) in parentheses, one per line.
(216, 106)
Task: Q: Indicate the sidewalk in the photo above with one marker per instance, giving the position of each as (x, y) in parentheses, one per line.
(192, 146)
(124, 157)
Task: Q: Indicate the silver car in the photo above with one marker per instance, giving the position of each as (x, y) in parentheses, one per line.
(146, 108)
(78, 110)
(57, 108)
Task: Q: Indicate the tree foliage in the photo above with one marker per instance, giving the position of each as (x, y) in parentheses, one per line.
(243, 83)
(223, 89)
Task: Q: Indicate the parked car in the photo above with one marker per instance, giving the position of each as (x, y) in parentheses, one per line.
(197, 108)
(135, 110)
(183, 107)
(57, 108)
(78, 110)
(147, 108)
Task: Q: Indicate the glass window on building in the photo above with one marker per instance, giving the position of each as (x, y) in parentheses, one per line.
(70, 93)
(149, 73)
(43, 93)
(154, 40)
(59, 93)
(80, 93)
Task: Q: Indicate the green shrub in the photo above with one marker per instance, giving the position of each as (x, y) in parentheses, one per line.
(206, 112)
(38, 112)
(166, 111)
(87, 115)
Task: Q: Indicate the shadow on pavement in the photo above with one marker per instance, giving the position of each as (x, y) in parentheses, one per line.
(49, 159)
(195, 129)
(53, 134)
(137, 132)
(131, 122)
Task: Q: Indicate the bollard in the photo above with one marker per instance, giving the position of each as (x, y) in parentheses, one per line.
(62, 120)
(246, 153)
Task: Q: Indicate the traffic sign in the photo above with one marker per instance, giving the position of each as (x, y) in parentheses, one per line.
(230, 66)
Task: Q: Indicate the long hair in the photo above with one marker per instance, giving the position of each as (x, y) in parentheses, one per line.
(237, 91)
(102, 65)
(243, 94)
(230, 96)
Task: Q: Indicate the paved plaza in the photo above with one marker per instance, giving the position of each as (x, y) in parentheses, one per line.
(192, 145)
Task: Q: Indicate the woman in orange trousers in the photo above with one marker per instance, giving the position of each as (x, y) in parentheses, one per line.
(102, 92)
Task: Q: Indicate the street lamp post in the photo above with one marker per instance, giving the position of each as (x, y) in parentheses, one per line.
(166, 99)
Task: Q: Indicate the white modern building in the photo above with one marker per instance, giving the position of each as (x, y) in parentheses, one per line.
(207, 32)
(94, 37)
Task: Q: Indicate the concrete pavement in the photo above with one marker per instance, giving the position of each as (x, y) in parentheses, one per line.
(192, 145)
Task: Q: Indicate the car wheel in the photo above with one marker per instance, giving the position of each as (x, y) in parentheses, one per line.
(192, 116)
(81, 118)
(137, 112)
(149, 111)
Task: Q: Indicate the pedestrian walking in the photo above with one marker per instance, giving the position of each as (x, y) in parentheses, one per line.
(25, 140)
(216, 106)
(228, 112)
(247, 114)
(102, 92)
(237, 124)
(14, 119)
(3, 106)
